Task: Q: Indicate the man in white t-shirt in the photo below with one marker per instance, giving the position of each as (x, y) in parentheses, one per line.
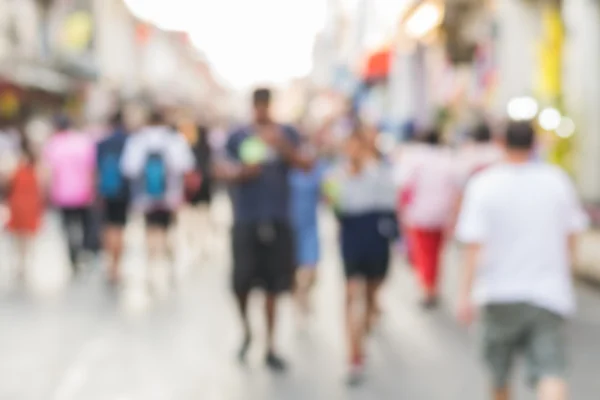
(519, 220)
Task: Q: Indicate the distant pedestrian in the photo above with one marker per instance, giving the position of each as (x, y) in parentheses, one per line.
(365, 206)
(114, 192)
(259, 159)
(156, 159)
(199, 190)
(306, 191)
(428, 195)
(70, 160)
(25, 204)
(519, 221)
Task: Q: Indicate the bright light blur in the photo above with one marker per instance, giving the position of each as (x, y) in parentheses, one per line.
(549, 119)
(566, 128)
(522, 108)
(424, 20)
(246, 42)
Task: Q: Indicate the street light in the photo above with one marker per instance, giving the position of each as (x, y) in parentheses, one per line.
(549, 119)
(522, 108)
(426, 18)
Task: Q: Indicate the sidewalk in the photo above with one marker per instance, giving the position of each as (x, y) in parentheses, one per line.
(588, 257)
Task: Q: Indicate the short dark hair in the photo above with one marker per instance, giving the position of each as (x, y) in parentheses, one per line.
(482, 133)
(62, 122)
(261, 96)
(157, 117)
(117, 119)
(520, 136)
(431, 136)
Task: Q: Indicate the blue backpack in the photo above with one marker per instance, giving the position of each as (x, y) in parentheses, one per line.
(155, 177)
(112, 183)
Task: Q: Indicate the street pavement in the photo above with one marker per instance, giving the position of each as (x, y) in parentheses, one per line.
(79, 340)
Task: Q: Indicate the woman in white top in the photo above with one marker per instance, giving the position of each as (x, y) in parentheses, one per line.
(429, 191)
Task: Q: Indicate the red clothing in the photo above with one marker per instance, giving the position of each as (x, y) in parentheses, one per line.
(25, 201)
(426, 247)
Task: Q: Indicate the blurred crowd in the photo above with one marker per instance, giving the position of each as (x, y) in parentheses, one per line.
(410, 199)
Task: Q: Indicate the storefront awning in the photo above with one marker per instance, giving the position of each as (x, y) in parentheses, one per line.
(378, 65)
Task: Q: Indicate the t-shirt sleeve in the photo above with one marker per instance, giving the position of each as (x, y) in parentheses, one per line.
(577, 218)
(231, 150)
(132, 161)
(181, 155)
(472, 222)
(293, 136)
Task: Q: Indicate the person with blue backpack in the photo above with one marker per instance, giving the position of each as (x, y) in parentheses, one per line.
(158, 160)
(114, 193)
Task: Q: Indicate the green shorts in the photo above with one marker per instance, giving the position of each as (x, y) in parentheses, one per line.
(520, 328)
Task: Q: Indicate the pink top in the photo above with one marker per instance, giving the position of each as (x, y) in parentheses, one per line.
(429, 182)
(71, 158)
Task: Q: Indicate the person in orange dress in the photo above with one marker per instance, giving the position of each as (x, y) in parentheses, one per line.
(25, 204)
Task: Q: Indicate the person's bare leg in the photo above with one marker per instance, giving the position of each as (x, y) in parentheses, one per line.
(355, 321)
(153, 251)
(273, 360)
(21, 242)
(501, 394)
(305, 280)
(242, 302)
(113, 245)
(271, 309)
(373, 311)
(552, 389)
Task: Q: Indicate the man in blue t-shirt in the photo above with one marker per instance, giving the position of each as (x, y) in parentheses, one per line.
(257, 163)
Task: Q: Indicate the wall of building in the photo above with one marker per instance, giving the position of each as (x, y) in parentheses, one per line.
(518, 31)
(582, 90)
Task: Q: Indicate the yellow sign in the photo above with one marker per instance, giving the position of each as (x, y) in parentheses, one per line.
(77, 31)
(9, 104)
(549, 85)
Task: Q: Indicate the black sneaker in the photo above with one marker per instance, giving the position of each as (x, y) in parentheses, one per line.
(244, 349)
(430, 303)
(276, 363)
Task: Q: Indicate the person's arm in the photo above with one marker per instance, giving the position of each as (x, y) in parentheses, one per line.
(472, 231)
(466, 311)
(578, 220)
(227, 167)
(287, 142)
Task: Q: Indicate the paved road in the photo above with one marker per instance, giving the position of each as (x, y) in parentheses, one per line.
(80, 341)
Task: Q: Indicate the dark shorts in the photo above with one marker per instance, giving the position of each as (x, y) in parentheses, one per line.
(115, 212)
(162, 219)
(370, 271)
(263, 256)
(520, 328)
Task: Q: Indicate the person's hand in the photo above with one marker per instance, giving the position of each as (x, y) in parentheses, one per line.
(466, 311)
(273, 136)
(251, 171)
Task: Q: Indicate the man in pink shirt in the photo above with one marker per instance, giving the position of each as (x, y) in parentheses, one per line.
(70, 157)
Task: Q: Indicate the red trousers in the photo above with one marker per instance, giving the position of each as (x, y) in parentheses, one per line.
(426, 247)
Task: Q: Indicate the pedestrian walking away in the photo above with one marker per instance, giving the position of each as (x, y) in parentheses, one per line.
(156, 159)
(114, 192)
(70, 160)
(428, 195)
(25, 204)
(519, 221)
